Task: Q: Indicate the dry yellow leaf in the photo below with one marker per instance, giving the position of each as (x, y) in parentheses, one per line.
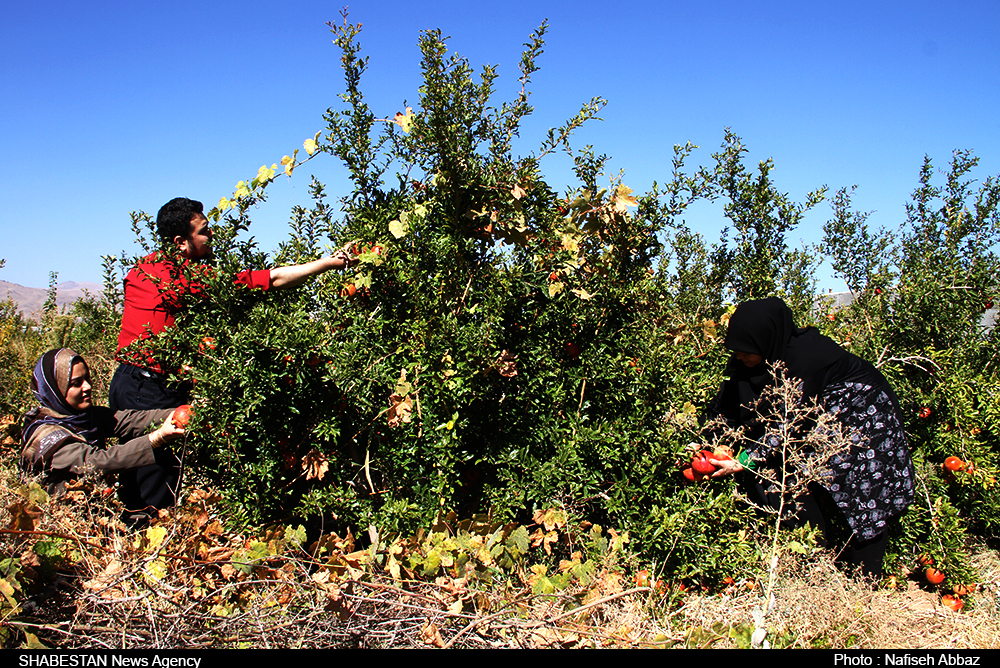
(431, 635)
(400, 410)
(404, 121)
(315, 464)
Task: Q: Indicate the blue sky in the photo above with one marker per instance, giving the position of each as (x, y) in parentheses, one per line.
(110, 107)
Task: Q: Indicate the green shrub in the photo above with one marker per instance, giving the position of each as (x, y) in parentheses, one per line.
(503, 348)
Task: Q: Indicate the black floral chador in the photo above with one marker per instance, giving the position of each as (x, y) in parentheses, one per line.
(870, 484)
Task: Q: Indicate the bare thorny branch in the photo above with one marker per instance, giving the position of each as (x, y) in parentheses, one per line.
(795, 441)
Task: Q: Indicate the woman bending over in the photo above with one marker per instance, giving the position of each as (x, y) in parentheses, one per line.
(869, 484)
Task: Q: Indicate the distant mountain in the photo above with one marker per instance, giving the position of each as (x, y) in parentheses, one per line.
(30, 300)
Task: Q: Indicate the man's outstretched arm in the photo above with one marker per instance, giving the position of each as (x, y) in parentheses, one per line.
(296, 274)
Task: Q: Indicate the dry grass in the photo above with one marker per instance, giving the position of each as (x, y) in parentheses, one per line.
(817, 605)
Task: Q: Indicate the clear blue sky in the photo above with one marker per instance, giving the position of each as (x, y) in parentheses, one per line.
(110, 107)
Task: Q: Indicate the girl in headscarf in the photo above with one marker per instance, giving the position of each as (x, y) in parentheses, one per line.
(870, 484)
(65, 435)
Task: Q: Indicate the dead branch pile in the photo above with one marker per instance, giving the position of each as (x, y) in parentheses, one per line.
(185, 582)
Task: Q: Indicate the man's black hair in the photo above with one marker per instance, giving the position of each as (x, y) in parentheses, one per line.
(174, 218)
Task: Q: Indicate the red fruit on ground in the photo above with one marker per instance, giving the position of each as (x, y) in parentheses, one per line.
(953, 602)
(964, 589)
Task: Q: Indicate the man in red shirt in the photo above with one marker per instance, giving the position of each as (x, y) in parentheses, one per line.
(152, 300)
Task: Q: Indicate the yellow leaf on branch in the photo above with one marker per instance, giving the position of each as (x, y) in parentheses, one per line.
(570, 241)
(157, 569)
(399, 228)
(550, 518)
(265, 173)
(623, 198)
(405, 121)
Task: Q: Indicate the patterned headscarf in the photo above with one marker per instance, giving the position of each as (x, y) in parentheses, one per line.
(50, 384)
(50, 380)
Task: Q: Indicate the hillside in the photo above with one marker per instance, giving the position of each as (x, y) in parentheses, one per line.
(30, 300)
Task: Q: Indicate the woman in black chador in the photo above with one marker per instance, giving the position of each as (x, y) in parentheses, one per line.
(870, 484)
